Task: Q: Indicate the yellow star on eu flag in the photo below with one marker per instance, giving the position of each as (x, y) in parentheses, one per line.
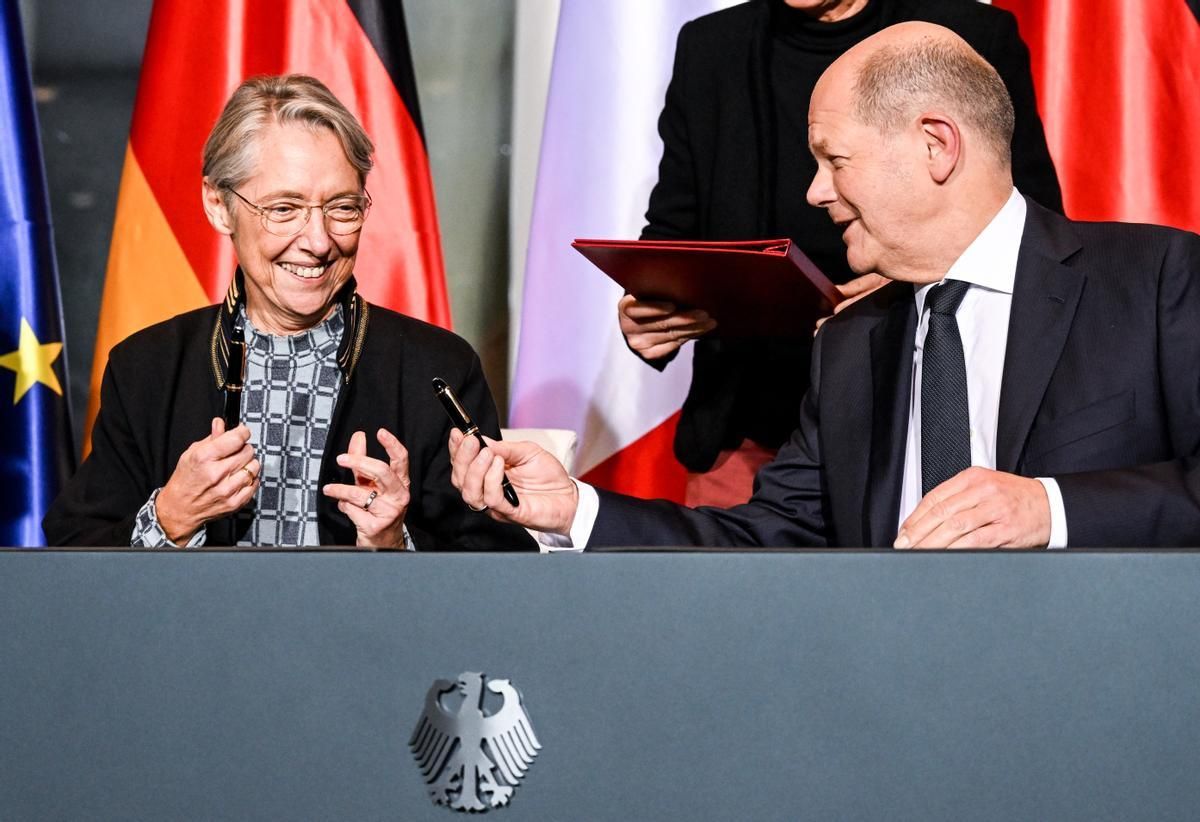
(33, 362)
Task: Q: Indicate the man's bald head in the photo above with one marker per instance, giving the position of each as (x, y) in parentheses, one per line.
(911, 131)
(912, 67)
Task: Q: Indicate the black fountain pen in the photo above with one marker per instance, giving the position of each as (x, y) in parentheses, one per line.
(463, 422)
(234, 375)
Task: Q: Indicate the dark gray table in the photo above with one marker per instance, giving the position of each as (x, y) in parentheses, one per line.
(662, 686)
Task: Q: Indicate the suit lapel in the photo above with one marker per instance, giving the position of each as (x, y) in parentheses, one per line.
(1045, 296)
(891, 381)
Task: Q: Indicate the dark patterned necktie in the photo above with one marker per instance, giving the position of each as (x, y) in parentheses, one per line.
(945, 418)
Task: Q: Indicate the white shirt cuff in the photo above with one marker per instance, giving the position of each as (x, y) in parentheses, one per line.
(581, 527)
(1058, 513)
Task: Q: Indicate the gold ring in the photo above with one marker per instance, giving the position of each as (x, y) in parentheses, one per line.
(249, 473)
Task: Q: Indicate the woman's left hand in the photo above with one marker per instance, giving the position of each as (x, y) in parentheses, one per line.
(379, 498)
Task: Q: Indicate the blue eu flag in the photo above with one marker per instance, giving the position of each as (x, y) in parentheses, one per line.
(35, 433)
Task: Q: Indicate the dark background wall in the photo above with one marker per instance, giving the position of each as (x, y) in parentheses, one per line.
(86, 59)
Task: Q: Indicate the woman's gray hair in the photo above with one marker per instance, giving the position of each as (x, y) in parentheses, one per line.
(230, 152)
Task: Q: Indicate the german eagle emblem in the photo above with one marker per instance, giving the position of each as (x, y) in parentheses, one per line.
(472, 760)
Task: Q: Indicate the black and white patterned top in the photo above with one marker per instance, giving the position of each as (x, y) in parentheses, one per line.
(291, 389)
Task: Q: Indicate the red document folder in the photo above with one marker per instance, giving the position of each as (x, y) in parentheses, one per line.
(753, 288)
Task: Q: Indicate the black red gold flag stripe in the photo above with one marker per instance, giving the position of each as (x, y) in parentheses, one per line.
(165, 258)
(1117, 90)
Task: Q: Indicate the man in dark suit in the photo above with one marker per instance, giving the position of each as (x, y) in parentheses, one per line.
(733, 127)
(1025, 381)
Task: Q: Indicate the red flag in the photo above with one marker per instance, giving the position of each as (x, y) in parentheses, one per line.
(1118, 86)
(165, 257)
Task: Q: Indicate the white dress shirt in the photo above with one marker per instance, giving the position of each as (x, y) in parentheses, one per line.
(989, 264)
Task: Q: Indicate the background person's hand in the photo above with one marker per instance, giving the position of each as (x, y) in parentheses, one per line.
(379, 498)
(547, 494)
(657, 329)
(854, 291)
(214, 477)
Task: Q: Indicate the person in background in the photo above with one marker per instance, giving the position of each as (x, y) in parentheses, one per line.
(733, 168)
(294, 413)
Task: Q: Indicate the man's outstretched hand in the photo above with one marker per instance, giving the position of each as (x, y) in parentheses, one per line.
(547, 494)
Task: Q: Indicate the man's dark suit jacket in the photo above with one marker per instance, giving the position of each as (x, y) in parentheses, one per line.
(1100, 390)
(162, 388)
(722, 170)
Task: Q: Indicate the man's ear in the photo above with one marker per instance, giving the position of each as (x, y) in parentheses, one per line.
(943, 145)
(214, 208)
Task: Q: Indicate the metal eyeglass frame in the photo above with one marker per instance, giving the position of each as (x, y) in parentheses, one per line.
(267, 222)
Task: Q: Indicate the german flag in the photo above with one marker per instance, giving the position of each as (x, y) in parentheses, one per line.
(165, 257)
(1117, 88)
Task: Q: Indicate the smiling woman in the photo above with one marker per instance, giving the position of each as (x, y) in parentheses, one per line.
(284, 143)
(285, 178)
(291, 275)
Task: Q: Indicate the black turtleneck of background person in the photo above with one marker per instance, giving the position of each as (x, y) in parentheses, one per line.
(736, 166)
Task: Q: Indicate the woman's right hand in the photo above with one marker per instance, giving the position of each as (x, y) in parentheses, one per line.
(215, 476)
